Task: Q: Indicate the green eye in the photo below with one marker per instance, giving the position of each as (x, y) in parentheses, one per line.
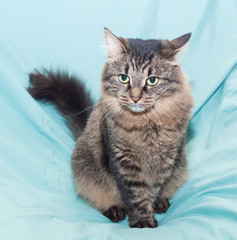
(152, 81)
(124, 78)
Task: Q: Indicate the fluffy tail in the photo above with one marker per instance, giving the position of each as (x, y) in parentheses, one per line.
(67, 93)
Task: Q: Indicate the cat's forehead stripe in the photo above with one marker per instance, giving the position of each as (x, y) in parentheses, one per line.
(149, 71)
(133, 63)
(139, 62)
(126, 68)
(146, 64)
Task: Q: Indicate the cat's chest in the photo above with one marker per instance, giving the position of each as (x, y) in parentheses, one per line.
(146, 148)
(144, 139)
(146, 142)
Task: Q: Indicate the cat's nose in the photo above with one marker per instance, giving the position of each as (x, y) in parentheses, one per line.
(135, 98)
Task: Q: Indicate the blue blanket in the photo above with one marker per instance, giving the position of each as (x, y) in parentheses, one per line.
(37, 196)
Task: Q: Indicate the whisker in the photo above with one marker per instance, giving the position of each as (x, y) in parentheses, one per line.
(92, 106)
(164, 110)
(157, 122)
(168, 111)
(86, 109)
(178, 106)
(156, 117)
(117, 112)
(173, 115)
(106, 113)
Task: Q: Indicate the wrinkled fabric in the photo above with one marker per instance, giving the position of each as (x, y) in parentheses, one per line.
(37, 196)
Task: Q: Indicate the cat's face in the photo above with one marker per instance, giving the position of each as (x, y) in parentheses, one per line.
(139, 74)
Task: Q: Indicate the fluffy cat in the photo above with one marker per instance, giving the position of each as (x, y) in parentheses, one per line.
(129, 158)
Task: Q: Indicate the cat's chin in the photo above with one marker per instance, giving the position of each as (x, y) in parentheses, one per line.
(136, 108)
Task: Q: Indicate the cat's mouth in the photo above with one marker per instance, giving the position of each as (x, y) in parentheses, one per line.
(136, 107)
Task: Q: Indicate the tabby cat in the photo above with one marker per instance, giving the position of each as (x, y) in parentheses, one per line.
(129, 158)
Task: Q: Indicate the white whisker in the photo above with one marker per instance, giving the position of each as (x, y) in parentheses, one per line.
(116, 112)
(167, 111)
(92, 106)
(106, 113)
(156, 117)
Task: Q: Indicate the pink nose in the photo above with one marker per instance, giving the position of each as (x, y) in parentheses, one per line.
(135, 98)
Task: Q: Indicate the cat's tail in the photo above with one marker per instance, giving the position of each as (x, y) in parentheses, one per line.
(67, 93)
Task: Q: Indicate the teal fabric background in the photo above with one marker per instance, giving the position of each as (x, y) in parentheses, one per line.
(37, 197)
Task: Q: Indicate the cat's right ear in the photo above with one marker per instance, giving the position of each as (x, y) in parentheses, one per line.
(115, 47)
(171, 48)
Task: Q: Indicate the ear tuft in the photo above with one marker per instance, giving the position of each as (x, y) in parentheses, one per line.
(114, 45)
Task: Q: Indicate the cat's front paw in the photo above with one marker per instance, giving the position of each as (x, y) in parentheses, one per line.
(145, 224)
(115, 213)
(162, 206)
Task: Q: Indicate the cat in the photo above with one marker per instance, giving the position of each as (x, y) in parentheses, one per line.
(129, 157)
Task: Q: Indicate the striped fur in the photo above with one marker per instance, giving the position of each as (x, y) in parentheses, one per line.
(128, 161)
(142, 154)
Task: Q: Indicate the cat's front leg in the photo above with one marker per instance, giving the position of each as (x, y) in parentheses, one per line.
(136, 194)
(138, 200)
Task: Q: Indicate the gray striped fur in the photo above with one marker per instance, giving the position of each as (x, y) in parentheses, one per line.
(129, 157)
(135, 160)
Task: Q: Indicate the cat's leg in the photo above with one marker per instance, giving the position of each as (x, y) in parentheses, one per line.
(94, 184)
(138, 198)
(136, 194)
(103, 195)
(177, 179)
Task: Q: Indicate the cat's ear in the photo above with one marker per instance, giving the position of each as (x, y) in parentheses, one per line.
(171, 48)
(115, 46)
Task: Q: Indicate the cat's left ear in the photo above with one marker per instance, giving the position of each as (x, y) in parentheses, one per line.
(171, 48)
(116, 47)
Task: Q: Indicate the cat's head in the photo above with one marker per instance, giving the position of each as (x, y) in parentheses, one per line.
(138, 74)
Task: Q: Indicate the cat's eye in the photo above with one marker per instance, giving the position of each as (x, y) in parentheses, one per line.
(123, 78)
(152, 81)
